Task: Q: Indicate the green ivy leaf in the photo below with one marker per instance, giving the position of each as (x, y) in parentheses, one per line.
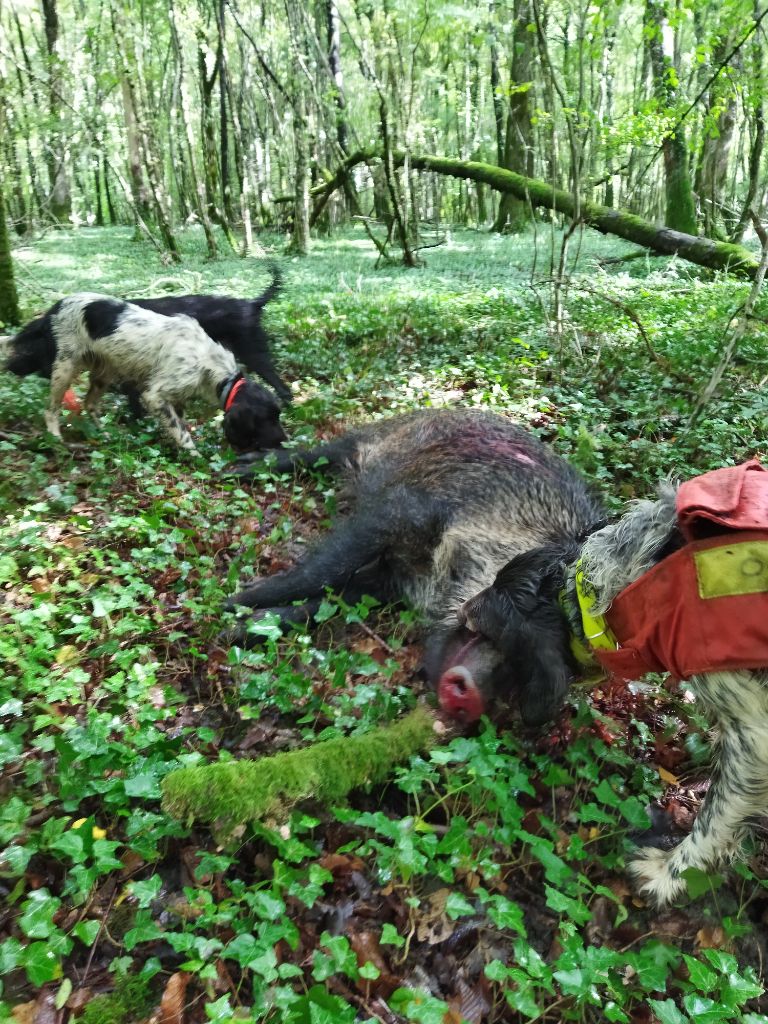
(41, 963)
(145, 892)
(391, 937)
(36, 920)
(667, 1012)
(457, 905)
(86, 931)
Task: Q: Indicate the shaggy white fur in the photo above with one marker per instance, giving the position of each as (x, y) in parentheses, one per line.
(737, 701)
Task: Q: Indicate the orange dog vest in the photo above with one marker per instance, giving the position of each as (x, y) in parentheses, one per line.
(705, 607)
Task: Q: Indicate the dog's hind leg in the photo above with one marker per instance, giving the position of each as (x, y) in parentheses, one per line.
(737, 795)
(63, 373)
(172, 424)
(97, 385)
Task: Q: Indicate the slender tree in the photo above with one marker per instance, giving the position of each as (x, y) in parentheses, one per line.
(9, 300)
(60, 197)
(680, 205)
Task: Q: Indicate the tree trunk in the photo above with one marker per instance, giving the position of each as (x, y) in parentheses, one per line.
(139, 191)
(210, 161)
(60, 197)
(513, 214)
(680, 206)
(334, 63)
(200, 196)
(301, 237)
(107, 190)
(498, 102)
(226, 183)
(9, 300)
(756, 101)
(399, 208)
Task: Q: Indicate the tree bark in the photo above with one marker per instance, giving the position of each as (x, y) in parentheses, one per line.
(681, 209)
(513, 215)
(60, 198)
(226, 184)
(9, 300)
(755, 100)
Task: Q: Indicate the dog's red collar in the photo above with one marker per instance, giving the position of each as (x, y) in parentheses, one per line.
(230, 395)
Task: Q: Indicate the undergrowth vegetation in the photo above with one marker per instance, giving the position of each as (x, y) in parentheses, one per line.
(485, 881)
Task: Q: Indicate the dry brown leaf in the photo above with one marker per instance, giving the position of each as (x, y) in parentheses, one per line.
(73, 543)
(470, 1002)
(619, 887)
(367, 950)
(24, 1013)
(711, 937)
(340, 863)
(79, 999)
(172, 1005)
(434, 926)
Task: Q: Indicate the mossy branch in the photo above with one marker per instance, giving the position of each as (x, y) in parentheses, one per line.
(232, 793)
(706, 252)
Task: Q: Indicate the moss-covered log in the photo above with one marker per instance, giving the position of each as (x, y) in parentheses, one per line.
(232, 793)
(703, 251)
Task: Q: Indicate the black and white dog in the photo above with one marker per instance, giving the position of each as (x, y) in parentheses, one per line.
(694, 604)
(234, 323)
(167, 359)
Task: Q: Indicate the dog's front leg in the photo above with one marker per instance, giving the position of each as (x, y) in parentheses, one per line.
(64, 372)
(173, 425)
(738, 792)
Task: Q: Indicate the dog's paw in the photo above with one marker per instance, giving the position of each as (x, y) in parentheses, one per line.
(656, 877)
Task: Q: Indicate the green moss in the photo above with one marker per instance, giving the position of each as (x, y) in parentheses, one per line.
(130, 1001)
(703, 251)
(235, 792)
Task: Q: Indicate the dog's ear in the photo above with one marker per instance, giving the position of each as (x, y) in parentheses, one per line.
(545, 666)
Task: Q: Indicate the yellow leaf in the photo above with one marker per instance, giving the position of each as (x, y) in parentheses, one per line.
(668, 777)
(67, 654)
(99, 833)
(79, 823)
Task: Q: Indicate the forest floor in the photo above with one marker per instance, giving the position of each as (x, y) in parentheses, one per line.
(486, 882)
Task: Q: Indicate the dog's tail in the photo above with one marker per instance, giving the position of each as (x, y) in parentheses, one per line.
(33, 349)
(274, 289)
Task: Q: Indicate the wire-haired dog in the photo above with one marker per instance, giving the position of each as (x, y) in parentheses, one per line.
(234, 323)
(677, 585)
(168, 359)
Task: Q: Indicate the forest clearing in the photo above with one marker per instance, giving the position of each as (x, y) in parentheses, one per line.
(506, 264)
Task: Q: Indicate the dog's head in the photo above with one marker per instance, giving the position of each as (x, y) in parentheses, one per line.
(511, 642)
(252, 417)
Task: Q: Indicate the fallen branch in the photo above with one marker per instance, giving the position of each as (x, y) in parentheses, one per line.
(704, 252)
(232, 793)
